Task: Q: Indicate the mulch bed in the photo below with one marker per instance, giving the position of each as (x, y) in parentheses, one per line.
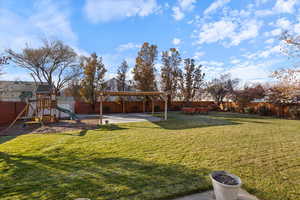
(61, 126)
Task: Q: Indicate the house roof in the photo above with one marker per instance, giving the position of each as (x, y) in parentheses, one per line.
(43, 89)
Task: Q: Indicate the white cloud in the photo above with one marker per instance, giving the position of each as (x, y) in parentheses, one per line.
(285, 6)
(128, 46)
(216, 31)
(250, 71)
(281, 6)
(177, 13)
(228, 29)
(52, 22)
(235, 61)
(215, 5)
(20, 74)
(212, 63)
(270, 51)
(248, 31)
(183, 5)
(270, 41)
(198, 54)
(187, 4)
(108, 10)
(176, 41)
(297, 28)
(283, 23)
(274, 32)
(53, 16)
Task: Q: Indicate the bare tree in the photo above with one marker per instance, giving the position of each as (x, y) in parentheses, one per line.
(121, 76)
(54, 63)
(3, 61)
(221, 87)
(248, 94)
(287, 88)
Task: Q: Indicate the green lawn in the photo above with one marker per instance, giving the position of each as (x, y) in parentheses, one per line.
(154, 160)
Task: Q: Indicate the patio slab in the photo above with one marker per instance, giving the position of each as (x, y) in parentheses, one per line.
(124, 117)
(209, 195)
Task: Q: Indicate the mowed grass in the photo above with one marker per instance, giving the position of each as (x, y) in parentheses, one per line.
(154, 160)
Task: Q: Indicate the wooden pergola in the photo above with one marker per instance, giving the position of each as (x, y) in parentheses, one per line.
(104, 94)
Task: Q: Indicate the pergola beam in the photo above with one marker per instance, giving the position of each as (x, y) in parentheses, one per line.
(121, 93)
(104, 94)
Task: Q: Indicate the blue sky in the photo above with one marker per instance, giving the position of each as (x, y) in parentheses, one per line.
(240, 37)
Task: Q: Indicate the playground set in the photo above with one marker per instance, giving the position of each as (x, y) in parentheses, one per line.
(43, 109)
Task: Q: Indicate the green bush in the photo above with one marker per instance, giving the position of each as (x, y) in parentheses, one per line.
(249, 110)
(264, 111)
(157, 108)
(106, 109)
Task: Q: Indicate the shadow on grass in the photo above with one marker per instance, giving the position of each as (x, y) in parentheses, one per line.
(4, 139)
(110, 127)
(178, 120)
(70, 177)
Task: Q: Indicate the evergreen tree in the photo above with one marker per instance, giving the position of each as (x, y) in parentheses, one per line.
(170, 72)
(144, 70)
(191, 80)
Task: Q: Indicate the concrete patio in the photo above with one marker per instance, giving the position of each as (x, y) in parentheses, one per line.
(124, 117)
(209, 195)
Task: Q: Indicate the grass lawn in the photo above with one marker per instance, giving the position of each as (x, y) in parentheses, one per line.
(154, 160)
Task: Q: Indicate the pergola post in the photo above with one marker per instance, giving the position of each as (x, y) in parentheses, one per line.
(166, 108)
(151, 94)
(101, 111)
(152, 106)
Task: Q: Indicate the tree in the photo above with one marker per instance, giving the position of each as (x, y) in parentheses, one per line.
(248, 94)
(3, 61)
(287, 88)
(121, 76)
(54, 63)
(144, 70)
(93, 78)
(221, 87)
(191, 80)
(73, 89)
(170, 72)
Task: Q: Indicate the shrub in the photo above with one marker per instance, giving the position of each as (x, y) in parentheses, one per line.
(157, 108)
(231, 109)
(175, 108)
(295, 112)
(249, 110)
(106, 109)
(264, 111)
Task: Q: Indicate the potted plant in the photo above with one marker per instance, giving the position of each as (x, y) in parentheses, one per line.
(226, 186)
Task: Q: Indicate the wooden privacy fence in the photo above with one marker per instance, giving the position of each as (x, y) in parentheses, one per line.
(9, 111)
(269, 108)
(133, 106)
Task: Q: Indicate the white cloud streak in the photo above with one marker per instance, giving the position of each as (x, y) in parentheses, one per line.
(99, 11)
